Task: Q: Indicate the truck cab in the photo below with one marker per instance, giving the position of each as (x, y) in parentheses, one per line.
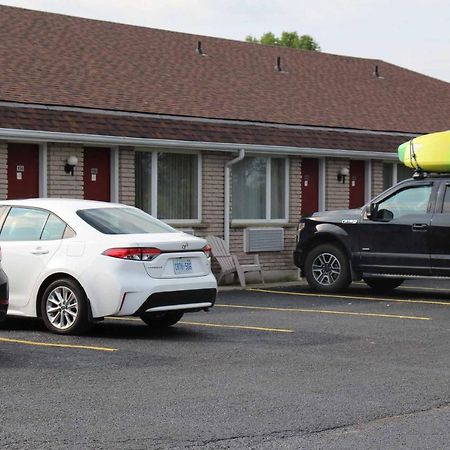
(402, 233)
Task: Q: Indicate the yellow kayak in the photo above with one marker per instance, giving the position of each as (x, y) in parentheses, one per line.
(430, 152)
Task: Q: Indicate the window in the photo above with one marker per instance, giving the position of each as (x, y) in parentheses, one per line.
(167, 185)
(54, 229)
(259, 189)
(408, 201)
(446, 205)
(403, 172)
(388, 175)
(24, 224)
(29, 224)
(123, 221)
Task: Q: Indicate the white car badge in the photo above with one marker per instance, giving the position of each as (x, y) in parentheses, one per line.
(184, 246)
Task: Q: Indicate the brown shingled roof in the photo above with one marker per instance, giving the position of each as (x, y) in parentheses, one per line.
(60, 60)
(42, 119)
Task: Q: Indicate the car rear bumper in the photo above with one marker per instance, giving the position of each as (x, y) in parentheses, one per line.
(192, 300)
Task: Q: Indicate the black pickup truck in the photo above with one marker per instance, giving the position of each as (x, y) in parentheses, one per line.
(403, 233)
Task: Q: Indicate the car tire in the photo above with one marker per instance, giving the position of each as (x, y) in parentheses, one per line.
(383, 284)
(65, 307)
(161, 320)
(327, 269)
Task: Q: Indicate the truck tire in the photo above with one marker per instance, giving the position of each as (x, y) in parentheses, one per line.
(327, 269)
(383, 284)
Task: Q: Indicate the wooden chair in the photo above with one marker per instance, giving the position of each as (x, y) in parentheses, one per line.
(229, 264)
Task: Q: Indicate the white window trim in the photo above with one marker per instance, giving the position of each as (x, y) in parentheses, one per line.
(322, 184)
(43, 155)
(114, 174)
(368, 181)
(154, 186)
(267, 219)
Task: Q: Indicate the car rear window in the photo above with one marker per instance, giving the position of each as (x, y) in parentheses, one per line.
(123, 221)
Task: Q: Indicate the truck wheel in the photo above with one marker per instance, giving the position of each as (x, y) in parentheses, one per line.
(161, 320)
(383, 284)
(327, 269)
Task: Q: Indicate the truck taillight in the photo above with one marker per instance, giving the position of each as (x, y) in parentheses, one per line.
(133, 253)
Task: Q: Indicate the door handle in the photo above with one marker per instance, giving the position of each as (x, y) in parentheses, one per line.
(420, 227)
(40, 252)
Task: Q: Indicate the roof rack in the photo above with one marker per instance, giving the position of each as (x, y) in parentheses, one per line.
(421, 174)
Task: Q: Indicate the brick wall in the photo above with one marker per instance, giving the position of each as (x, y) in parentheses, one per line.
(59, 183)
(127, 176)
(377, 178)
(337, 195)
(3, 170)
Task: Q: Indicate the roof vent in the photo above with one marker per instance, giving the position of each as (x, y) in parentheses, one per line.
(200, 49)
(376, 72)
(278, 67)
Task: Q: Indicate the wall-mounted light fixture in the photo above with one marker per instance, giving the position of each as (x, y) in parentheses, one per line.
(71, 162)
(344, 172)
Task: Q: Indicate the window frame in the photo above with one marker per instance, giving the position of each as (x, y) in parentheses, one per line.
(154, 185)
(268, 219)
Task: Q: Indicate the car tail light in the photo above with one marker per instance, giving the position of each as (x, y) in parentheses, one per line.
(207, 250)
(133, 253)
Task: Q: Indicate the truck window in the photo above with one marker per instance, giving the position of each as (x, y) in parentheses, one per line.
(412, 200)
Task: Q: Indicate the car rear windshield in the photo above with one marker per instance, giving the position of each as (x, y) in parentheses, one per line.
(123, 221)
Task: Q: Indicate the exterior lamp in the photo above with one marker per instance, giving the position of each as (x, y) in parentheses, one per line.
(344, 172)
(71, 162)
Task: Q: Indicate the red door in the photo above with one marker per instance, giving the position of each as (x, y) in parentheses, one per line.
(357, 183)
(310, 186)
(23, 171)
(97, 179)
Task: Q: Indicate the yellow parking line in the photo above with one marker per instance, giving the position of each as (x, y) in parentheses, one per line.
(323, 311)
(411, 288)
(48, 344)
(352, 297)
(216, 325)
(241, 327)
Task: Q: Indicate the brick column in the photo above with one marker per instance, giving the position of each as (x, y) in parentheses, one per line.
(377, 178)
(213, 198)
(127, 176)
(3, 170)
(337, 195)
(59, 183)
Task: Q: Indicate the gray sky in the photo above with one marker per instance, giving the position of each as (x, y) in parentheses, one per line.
(411, 33)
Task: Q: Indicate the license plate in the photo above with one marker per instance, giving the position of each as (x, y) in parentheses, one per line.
(181, 266)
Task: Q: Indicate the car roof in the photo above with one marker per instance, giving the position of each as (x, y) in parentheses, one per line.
(61, 204)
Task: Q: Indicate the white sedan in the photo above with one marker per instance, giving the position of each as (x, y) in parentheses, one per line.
(72, 262)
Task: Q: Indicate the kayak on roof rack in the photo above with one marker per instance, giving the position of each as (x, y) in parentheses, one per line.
(430, 152)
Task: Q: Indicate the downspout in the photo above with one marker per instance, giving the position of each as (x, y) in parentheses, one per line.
(226, 225)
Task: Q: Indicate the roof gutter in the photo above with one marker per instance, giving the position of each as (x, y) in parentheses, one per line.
(226, 214)
(93, 139)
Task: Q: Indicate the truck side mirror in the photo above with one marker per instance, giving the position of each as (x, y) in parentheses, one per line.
(372, 211)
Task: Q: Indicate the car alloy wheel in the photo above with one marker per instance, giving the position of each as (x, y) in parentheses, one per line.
(62, 307)
(326, 269)
(65, 307)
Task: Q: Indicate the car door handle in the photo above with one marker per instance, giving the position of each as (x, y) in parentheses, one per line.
(420, 227)
(40, 252)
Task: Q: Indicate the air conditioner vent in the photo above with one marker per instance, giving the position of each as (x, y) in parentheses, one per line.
(263, 239)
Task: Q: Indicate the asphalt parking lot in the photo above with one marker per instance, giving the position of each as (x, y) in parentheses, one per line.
(266, 368)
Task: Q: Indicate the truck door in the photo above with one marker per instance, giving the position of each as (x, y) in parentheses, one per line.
(439, 232)
(396, 241)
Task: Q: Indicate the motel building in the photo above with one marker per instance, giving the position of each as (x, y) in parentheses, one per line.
(213, 136)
